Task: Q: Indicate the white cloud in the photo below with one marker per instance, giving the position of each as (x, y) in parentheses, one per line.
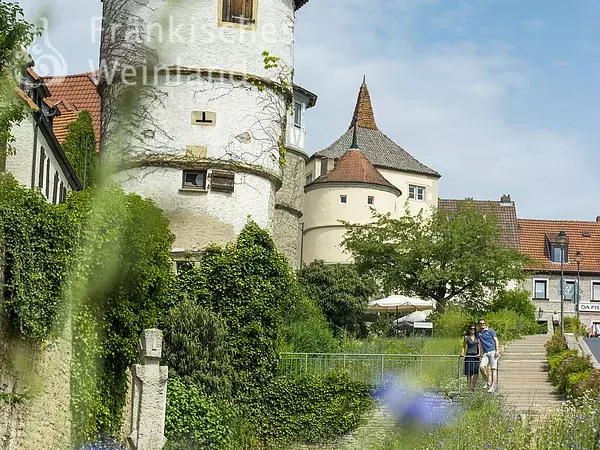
(446, 105)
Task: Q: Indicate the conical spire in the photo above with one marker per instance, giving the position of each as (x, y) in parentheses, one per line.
(363, 113)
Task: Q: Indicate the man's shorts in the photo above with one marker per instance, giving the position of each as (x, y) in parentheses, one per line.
(490, 359)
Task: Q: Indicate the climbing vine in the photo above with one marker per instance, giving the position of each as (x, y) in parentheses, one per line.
(38, 238)
(80, 148)
(121, 285)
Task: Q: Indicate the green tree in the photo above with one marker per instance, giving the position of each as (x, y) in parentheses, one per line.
(517, 300)
(443, 256)
(195, 348)
(80, 148)
(341, 292)
(15, 35)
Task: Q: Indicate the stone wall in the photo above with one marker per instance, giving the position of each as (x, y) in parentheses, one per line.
(545, 308)
(35, 387)
(35, 412)
(288, 208)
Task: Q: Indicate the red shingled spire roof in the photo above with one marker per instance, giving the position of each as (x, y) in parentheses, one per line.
(363, 112)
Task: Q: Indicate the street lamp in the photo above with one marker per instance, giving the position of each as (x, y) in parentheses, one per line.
(578, 258)
(562, 241)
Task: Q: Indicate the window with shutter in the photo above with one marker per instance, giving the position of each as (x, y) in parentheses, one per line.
(223, 181)
(239, 11)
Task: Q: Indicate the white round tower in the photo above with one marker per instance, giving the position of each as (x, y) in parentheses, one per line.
(195, 99)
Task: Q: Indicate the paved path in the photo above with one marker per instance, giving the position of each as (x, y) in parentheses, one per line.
(594, 345)
(523, 375)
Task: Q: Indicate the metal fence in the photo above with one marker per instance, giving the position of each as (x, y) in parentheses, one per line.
(439, 372)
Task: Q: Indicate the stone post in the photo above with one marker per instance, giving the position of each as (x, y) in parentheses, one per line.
(149, 393)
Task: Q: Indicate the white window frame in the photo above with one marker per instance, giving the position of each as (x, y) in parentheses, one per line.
(547, 282)
(192, 187)
(345, 197)
(574, 281)
(309, 178)
(415, 194)
(298, 122)
(370, 197)
(592, 290)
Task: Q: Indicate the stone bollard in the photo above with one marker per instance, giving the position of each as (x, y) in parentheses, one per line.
(149, 402)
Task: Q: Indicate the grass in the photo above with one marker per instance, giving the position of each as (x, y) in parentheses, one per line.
(484, 422)
(404, 346)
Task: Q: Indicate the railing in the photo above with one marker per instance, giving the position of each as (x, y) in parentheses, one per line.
(438, 372)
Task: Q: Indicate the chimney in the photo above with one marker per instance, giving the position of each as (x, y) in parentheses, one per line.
(505, 200)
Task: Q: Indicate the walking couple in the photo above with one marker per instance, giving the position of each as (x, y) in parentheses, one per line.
(484, 347)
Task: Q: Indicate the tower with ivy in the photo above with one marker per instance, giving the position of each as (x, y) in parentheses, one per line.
(200, 114)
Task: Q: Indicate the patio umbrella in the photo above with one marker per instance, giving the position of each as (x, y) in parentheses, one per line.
(409, 320)
(400, 303)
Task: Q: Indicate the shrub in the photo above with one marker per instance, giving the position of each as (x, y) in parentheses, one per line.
(573, 364)
(194, 421)
(517, 300)
(573, 325)
(312, 409)
(589, 384)
(574, 380)
(248, 280)
(195, 348)
(341, 292)
(303, 326)
(556, 344)
(452, 323)
(555, 361)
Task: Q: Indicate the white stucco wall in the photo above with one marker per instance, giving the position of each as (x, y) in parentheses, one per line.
(20, 164)
(402, 180)
(201, 218)
(249, 118)
(187, 33)
(323, 210)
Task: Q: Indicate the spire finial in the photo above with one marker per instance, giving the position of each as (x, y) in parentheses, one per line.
(364, 79)
(354, 145)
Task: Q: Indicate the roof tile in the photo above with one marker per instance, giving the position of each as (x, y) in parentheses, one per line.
(532, 233)
(505, 211)
(354, 167)
(75, 92)
(379, 149)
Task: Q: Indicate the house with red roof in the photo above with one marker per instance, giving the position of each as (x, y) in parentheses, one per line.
(570, 248)
(37, 160)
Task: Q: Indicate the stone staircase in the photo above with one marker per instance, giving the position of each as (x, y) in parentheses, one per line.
(523, 375)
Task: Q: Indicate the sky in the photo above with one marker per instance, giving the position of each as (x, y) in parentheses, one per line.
(498, 96)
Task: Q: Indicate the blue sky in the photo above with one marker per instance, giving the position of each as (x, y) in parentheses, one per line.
(499, 96)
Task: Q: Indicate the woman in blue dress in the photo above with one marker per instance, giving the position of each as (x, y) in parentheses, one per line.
(471, 351)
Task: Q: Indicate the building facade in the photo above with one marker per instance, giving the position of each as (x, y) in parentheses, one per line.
(37, 160)
(198, 118)
(581, 288)
(409, 185)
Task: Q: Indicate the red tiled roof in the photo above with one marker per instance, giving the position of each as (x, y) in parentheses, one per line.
(533, 233)
(354, 167)
(75, 92)
(506, 212)
(60, 124)
(363, 112)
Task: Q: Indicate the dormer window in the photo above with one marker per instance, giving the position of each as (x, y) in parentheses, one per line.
(555, 249)
(241, 12)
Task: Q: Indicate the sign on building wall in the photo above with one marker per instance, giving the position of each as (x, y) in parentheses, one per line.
(589, 307)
